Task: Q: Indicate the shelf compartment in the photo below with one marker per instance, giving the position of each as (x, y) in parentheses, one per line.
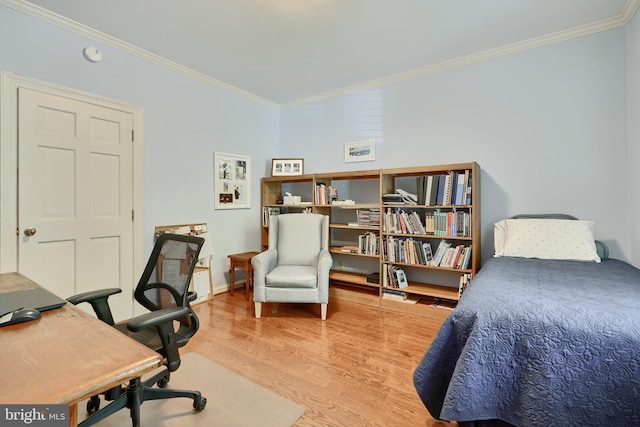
(351, 278)
(430, 267)
(427, 236)
(338, 250)
(430, 290)
(355, 227)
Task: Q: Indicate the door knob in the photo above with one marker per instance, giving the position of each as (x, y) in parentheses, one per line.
(29, 231)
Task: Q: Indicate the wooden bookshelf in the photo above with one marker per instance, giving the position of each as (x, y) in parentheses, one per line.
(361, 191)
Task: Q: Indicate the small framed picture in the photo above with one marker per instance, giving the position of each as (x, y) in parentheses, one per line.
(232, 181)
(287, 167)
(401, 278)
(360, 151)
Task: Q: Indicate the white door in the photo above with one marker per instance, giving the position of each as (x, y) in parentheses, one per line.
(75, 197)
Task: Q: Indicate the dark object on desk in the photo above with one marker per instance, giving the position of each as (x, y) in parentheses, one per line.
(19, 316)
(37, 298)
(164, 290)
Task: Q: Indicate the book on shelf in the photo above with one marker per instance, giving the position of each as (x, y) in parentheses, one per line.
(352, 249)
(407, 198)
(464, 283)
(393, 277)
(369, 243)
(347, 202)
(421, 185)
(447, 190)
(267, 212)
(428, 254)
(392, 294)
(432, 188)
(467, 191)
(457, 190)
(441, 189)
(367, 217)
(392, 199)
(440, 252)
(326, 194)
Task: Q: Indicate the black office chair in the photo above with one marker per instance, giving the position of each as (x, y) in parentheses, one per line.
(164, 290)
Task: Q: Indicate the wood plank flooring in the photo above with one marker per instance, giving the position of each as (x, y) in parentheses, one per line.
(354, 369)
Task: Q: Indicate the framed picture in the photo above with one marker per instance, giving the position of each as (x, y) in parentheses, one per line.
(360, 151)
(232, 181)
(287, 167)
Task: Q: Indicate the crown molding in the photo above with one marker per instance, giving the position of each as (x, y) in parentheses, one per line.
(606, 24)
(83, 30)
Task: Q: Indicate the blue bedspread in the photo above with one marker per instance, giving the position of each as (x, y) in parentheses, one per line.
(539, 343)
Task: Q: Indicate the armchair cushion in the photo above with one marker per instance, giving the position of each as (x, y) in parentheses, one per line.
(292, 276)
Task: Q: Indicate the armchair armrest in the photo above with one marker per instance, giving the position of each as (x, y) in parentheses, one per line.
(162, 320)
(324, 267)
(262, 264)
(98, 300)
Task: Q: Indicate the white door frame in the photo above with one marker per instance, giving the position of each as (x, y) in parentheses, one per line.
(9, 84)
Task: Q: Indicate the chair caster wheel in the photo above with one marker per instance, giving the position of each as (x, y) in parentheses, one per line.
(93, 404)
(162, 382)
(199, 404)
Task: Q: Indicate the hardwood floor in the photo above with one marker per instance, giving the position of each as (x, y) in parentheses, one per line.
(354, 369)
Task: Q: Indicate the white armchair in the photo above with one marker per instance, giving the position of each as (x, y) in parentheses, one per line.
(295, 267)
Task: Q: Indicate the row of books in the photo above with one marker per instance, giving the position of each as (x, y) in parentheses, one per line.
(393, 277)
(401, 221)
(394, 281)
(407, 251)
(465, 279)
(449, 256)
(445, 189)
(452, 223)
(437, 223)
(368, 244)
(325, 194)
(367, 217)
(415, 251)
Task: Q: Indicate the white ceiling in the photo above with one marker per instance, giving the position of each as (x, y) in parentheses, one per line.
(288, 51)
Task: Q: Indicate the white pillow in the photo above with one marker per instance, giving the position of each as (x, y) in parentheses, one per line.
(546, 239)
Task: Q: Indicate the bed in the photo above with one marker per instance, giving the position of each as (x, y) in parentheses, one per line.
(539, 341)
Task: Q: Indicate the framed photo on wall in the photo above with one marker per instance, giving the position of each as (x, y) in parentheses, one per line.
(232, 181)
(287, 167)
(360, 151)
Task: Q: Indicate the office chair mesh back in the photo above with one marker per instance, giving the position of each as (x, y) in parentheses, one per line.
(165, 281)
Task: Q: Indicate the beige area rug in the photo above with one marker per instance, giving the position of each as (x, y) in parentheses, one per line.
(232, 401)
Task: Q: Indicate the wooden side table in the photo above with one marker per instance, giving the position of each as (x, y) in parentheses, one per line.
(241, 260)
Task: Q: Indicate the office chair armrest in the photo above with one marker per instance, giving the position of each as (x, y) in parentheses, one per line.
(155, 318)
(163, 322)
(98, 300)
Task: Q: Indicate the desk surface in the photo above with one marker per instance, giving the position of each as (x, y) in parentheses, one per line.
(65, 356)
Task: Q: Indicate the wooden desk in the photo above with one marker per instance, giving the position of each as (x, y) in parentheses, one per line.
(65, 356)
(242, 260)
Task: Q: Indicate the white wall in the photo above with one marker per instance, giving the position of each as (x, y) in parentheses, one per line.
(634, 139)
(547, 126)
(185, 123)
